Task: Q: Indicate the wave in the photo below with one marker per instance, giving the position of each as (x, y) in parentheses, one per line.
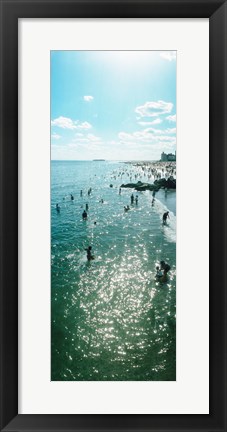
(169, 229)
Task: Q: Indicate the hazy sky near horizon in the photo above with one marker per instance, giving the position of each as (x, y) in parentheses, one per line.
(116, 105)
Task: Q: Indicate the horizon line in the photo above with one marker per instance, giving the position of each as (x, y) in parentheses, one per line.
(105, 160)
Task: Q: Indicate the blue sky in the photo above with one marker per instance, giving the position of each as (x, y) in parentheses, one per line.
(115, 105)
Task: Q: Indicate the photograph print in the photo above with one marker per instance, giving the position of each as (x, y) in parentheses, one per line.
(113, 215)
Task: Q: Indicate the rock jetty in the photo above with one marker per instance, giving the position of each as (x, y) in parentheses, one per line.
(169, 183)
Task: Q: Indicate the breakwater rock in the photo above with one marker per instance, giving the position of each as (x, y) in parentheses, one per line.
(169, 183)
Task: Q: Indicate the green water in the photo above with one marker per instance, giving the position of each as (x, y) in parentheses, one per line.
(111, 320)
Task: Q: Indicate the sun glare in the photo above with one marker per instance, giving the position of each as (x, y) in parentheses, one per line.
(128, 59)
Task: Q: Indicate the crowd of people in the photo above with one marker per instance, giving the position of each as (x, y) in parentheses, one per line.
(149, 171)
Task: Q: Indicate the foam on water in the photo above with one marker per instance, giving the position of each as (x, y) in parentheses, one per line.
(168, 229)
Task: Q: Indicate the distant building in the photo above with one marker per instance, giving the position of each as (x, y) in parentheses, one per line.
(170, 157)
(164, 157)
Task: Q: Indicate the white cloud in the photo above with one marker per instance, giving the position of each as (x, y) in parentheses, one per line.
(168, 55)
(133, 149)
(68, 123)
(88, 98)
(93, 137)
(63, 122)
(89, 138)
(55, 136)
(154, 109)
(170, 130)
(84, 125)
(171, 118)
(81, 140)
(154, 122)
(159, 131)
(156, 138)
(73, 145)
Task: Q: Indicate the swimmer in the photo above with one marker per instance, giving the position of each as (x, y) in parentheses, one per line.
(95, 223)
(119, 191)
(164, 278)
(165, 216)
(136, 199)
(72, 197)
(86, 207)
(165, 267)
(89, 255)
(158, 272)
(84, 215)
(132, 199)
(153, 201)
(81, 193)
(58, 208)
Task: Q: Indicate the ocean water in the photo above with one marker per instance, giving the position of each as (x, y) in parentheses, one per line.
(110, 319)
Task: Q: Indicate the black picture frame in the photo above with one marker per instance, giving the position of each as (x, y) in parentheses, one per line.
(11, 11)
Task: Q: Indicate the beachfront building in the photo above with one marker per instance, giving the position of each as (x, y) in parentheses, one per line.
(168, 157)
